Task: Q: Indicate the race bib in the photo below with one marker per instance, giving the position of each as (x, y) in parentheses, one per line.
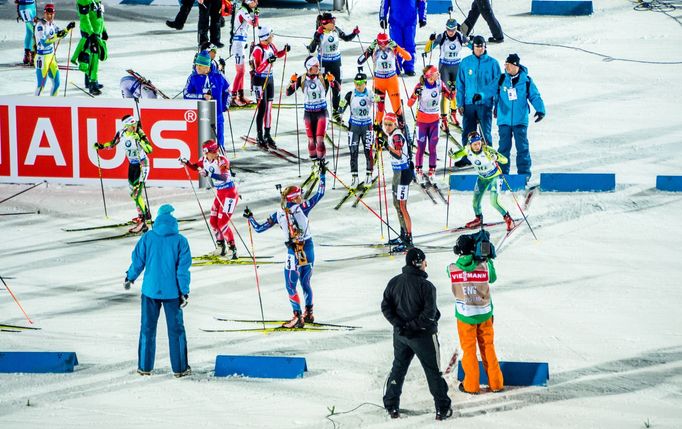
(511, 93)
(229, 205)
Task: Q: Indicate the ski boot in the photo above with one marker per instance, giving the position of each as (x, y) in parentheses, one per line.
(354, 182)
(184, 373)
(453, 117)
(368, 178)
(219, 248)
(394, 413)
(308, 316)
(93, 89)
(478, 221)
(233, 250)
(260, 141)
(397, 240)
(420, 175)
(405, 245)
(244, 99)
(269, 140)
(295, 322)
(443, 414)
(236, 101)
(140, 227)
(509, 221)
(432, 174)
(336, 117)
(28, 56)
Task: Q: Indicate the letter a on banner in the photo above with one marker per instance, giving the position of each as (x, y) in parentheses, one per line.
(44, 128)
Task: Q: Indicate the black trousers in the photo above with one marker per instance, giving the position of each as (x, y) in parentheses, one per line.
(427, 350)
(482, 7)
(209, 21)
(266, 95)
(334, 67)
(183, 13)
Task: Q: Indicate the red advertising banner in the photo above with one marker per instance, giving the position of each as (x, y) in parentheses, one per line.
(53, 138)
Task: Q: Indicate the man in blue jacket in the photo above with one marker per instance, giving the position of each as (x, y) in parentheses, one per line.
(206, 83)
(401, 16)
(515, 90)
(477, 80)
(165, 256)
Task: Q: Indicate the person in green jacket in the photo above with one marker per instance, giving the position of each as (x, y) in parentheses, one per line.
(92, 47)
(485, 160)
(470, 278)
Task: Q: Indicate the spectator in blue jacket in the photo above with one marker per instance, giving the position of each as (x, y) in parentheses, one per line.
(401, 16)
(165, 256)
(515, 90)
(209, 84)
(477, 80)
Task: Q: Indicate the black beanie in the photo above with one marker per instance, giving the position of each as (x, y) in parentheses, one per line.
(513, 59)
(478, 41)
(465, 245)
(414, 257)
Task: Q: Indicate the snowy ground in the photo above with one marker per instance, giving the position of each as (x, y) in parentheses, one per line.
(595, 296)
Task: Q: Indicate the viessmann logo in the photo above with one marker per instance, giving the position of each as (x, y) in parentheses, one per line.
(474, 276)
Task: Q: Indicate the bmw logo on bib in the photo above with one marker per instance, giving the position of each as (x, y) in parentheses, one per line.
(384, 55)
(313, 85)
(363, 103)
(434, 94)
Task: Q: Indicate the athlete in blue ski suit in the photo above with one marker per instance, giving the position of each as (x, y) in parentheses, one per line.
(401, 18)
(163, 253)
(205, 81)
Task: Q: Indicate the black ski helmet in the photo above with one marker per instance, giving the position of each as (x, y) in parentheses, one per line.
(360, 78)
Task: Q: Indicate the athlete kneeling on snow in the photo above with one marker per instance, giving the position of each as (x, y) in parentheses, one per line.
(485, 159)
(470, 277)
(136, 147)
(314, 86)
(292, 218)
(217, 167)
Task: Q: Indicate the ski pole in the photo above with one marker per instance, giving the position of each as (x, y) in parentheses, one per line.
(222, 207)
(255, 270)
(16, 300)
(281, 86)
(371, 72)
(229, 122)
(189, 178)
(447, 141)
(258, 104)
(364, 204)
(383, 173)
(517, 202)
(298, 138)
(447, 210)
(21, 192)
(68, 65)
(101, 184)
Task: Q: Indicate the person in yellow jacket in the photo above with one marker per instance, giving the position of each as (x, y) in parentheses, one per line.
(470, 278)
(485, 160)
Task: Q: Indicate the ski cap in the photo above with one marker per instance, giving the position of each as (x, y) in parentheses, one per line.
(203, 59)
(210, 146)
(473, 137)
(294, 192)
(513, 59)
(128, 121)
(49, 7)
(360, 78)
(465, 245)
(430, 71)
(326, 18)
(414, 257)
(264, 32)
(391, 117)
(382, 39)
(478, 41)
(311, 62)
(451, 24)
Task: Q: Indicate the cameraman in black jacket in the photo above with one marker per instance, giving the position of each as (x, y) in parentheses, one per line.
(409, 304)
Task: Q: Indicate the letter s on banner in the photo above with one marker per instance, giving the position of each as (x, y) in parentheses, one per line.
(169, 143)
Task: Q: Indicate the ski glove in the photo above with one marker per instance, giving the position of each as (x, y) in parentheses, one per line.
(287, 47)
(476, 97)
(323, 167)
(98, 146)
(183, 161)
(294, 78)
(329, 77)
(432, 37)
(203, 172)
(422, 24)
(356, 30)
(383, 23)
(184, 300)
(539, 116)
(320, 30)
(248, 213)
(392, 44)
(70, 25)
(272, 59)
(127, 283)
(418, 91)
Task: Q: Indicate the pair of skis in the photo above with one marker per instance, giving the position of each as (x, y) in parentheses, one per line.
(358, 192)
(311, 181)
(430, 188)
(277, 152)
(275, 326)
(16, 328)
(210, 259)
(530, 193)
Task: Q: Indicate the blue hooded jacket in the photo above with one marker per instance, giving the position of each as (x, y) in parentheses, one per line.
(515, 112)
(198, 84)
(477, 75)
(165, 256)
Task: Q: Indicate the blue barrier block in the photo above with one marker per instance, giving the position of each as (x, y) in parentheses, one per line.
(467, 182)
(669, 183)
(37, 362)
(561, 7)
(437, 6)
(515, 373)
(577, 182)
(260, 366)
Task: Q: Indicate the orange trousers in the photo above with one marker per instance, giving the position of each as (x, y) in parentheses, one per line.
(484, 335)
(384, 86)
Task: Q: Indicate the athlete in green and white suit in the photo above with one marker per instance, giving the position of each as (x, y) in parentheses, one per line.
(92, 47)
(485, 160)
